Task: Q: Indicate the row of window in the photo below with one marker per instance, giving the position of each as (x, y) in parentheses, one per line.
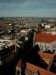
(31, 72)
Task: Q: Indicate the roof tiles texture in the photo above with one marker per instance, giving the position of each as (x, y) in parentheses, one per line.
(46, 55)
(34, 68)
(45, 37)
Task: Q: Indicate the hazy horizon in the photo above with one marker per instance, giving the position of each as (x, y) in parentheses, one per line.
(28, 8)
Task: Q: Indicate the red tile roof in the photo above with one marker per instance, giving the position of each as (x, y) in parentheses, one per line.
(34, 68)
(46, 55)
(45, 37)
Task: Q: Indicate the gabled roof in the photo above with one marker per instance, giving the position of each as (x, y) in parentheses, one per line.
(45, 37)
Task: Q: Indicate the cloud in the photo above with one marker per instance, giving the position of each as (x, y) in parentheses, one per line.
(28, 7)
(13, 3)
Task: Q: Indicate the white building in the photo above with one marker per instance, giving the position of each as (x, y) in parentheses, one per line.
(47, 26)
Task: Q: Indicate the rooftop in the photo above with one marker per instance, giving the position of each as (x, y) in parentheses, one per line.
(45, 37)
(34, 68)
(46, 55)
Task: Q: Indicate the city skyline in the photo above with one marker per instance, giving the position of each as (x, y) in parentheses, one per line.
(27, 8)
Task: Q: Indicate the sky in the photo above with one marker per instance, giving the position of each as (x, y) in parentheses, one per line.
(27, 8)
